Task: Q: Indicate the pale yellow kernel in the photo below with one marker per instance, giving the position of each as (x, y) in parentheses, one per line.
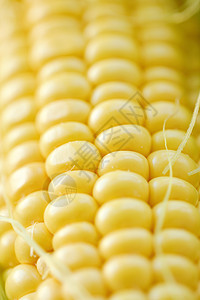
(128, 271)
(7, 251)
(114, 70)
(62, 111)
(69, 209)
(178, 214)
(127, 241)
(182, 269)
(123, 213)
(30, 209)
(124, 161)
(118, 184)
(158, 160)
(128, 295)
(72, 182)
(76, 232)
(127, 137)
(49, 289)
(61, 86)
(63, 133)
(22, 280)
(77, 155)
(78, 255)
(115, 112)
(180, 190)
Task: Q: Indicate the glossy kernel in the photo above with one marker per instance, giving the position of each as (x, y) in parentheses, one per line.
(114, 70)
(68, 209)
(62, 111)
(78, 255)
(77, 155)
(7, 252)
(158, 160)
(76, 232)
(123, 213)
(72, 182)
(23, 279)
(128, 271)
(124, 161)
(178, 241)
(115, 112)
(180, 190)
(118, 184)
(127, 137)
(127, 241)
(49, 289)
(179, 214)
(63, 133)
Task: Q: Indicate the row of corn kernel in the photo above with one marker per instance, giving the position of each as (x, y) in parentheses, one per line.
(62, 96)
(116, 120)
(17, 84)
(23, 163)
(159, 52)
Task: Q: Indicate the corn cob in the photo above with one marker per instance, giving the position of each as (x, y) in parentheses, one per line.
(92, 201)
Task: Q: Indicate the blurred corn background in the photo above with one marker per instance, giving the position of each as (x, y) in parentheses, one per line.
(86, 88)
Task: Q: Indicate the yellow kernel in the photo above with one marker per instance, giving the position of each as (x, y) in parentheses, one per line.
(112, 90)
(30, 209)
(180, 116)
(118, 184)
(161, 53)
(158, 160)
(106, 9)
(77, 155)
(160, 33)
(63, 85)
(20, 134)
(76, 232)
(123, 213)
(128, 295)
(168, 291)
(70, 43)
(114, 69)
(40, 11)
(61, 65)
(127, 241)
(127, 137)
(128, 271)
(62, 111)
(68, 209)
(162, 90)
(174, 138)
(116, 112)
(13, 64)
(25, 113)
(22, 280)
(30, 296)
(178, 214)
(72, 182)
(39, 233)
(26, 180)
(163, 73)
(25, 153)
(124, 161)
(182, 269)
(107, 24)
(7, 251)
(178, 241)
(78, 255)
(52, 24)
(49, 289)
(4, 226)
(91, 279)
(180, 190)
(63, 133)
(18, 87)
(109, 45)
